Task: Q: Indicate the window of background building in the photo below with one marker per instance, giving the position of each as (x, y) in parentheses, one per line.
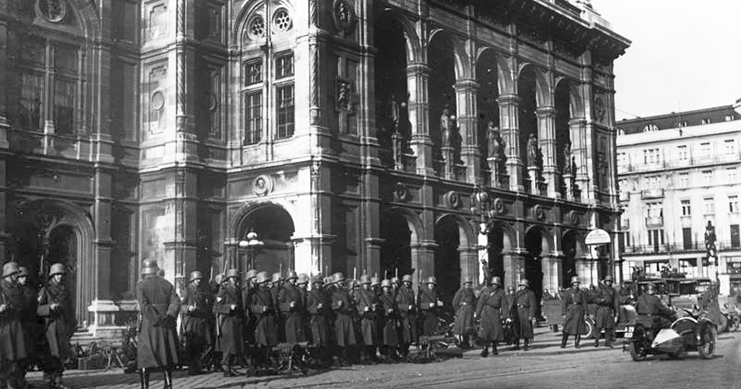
(731, 174)
(707, 177)
(684, 180)
(655, 238)
(682, 154)
(706, 121)
(622, 159)
(735, 238)
(686, 210)
(708, 206)
(705, 149)
(687, 238)
(650, 156)
(730, 146)
(654, 210)
(733, 204)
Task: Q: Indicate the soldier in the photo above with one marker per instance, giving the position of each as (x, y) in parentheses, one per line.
(215, 287)
(652, 311)
(55, 305)
(318, 307)
(28, 319)
(428, 305)
(608, 308)
(262, 306)
(158, 338)
(249, 320)
(196, 307)
(276, 284)
(366, 305)
(463, 303)
(509, 315)
(573, 308)
(489, 308)
(406, 303)
(292, 306)
(13, 349)
(524, 305)
(395, 284)
(229, 318)
(389, 318)
(342, 306)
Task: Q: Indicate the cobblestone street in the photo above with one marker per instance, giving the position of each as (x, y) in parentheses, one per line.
(545, 366)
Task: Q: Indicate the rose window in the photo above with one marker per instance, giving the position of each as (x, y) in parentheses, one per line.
(282, 20)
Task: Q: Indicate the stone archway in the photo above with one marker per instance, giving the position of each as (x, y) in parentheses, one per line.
(274, 228)
(400, 230)
(537, 244)
(500, 237)
(454, 256)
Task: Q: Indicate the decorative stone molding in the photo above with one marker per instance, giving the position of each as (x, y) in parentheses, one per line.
(52, 10)
(539, 212)
(498, 206)
(262, 185)
(344, 16)
(452, 200)
(573, 218)
(401, 192)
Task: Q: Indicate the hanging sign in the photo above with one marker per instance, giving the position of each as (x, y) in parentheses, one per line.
(597, 236)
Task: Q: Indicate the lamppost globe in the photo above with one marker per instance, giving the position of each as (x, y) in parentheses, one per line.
(243, 244)
(482, 197)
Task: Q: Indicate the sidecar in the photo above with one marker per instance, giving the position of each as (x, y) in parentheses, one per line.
(692, 332)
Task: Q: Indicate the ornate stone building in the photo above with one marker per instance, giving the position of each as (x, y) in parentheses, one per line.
(349, 135)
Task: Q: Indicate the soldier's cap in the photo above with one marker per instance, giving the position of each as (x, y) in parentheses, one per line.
(337, 277)
(496, 281)
(608, 278)
(524, 283)
(467, 280)
(431, 280)
(406, 278)
(317, 280)
(57, 268)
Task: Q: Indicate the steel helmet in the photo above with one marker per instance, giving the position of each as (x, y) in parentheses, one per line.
(57, 268)
(395, 280)
(467, 280)
(406, 278)
(337, 277)
(317, 280)
(196, 275)
(218, 278)
(252, 273)
(277, 277)
(575, 280)
(364, 279)
(291, 275)
(524, 283)
(149, 266)
(23, 271)
(496, 281)
(386, 283)
(232, 273)
(262, 277)
(431, 280)
(303, 279)
(10, 269)
(608, 278)
(375, 281)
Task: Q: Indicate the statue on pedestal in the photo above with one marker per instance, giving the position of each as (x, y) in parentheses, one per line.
(446, 128)
(495, 141)
(532, 151)
(567, 159)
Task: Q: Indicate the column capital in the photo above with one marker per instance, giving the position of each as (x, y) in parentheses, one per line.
(546, 111)
(508, 98)
(418, 68)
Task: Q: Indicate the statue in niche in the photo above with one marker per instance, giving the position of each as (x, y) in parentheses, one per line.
(446, 128)
(394, 113)
(343, 95)
(532, 151)
(495, 141)
(567, 159)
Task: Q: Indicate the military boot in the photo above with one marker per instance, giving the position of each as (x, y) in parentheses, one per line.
(526, 346)
(485, 351)
(144, 375)
(596, 343)
(577, 340)
(516, 344)
(564, 339)
(168, 379)
(58, 384)
(494, 348)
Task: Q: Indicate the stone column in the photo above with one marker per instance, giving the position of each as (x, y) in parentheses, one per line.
(513, 265)
(509, 121)
(465, 91)
(417, 79)
(423, 260)
(580, 153)
(552, 272)
(469, 262)
(547, 143)
(4, 122)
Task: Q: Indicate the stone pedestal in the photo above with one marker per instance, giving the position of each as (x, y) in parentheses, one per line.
(108, 320)
(534, 174)
(496, 175)
(449, 167)
(568, 181)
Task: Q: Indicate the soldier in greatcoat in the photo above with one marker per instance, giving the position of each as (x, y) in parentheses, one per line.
(196, 308)
(230, 317)
(292, 307)
(489, 308)
(343, 307)
(524, 306)
(317, 304)
(29, 318)
(13, 349)
(366, 305)
(265, 311)
(248, 327)
(389, 319)
(56, 307)
(158, 338)
(429, 305)
(608, 309)
(573, 307)
(463, 303)
(276, 284)
(407, 305)
(214, 287)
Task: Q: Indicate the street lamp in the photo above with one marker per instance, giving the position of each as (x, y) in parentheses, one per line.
(252, 244)
(481, 208)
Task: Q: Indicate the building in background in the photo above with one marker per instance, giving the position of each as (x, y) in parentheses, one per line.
(319, 135)
(677, 173)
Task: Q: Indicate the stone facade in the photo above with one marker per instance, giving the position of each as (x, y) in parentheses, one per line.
(349, 135)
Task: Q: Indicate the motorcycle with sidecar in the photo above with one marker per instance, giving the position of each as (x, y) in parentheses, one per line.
(691, 332)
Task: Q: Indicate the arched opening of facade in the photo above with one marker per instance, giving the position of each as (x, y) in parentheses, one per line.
(528, 120)
(396, 250)
(571, 251)
(500, 242)
(486, 102)
(274, 228)
(536, 243)
(448, 236)
(49, 232)
(391, 91)
(442, 98)
(564, 159)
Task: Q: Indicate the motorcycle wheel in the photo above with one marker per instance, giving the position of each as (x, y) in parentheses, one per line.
(637, 345)
(588, 330)
(708, 337)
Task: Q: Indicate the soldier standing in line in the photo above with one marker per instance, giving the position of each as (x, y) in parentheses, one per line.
(216, 355)
(509, 315)
(366, 305)
(248, 326)
(573, 308)
(524, 305)
(389, 318)
(463, 303)
(292, 306)
(158, 338)
(55, 305)
(395, 284)
(262, 306)
(276, 284)
(608, 309)
(29, 319)
(407, 305)
(428, 305)
(344, 331)
(196, 307)
(317, 305)
(13, 349)
(229, 320)
(489, 308)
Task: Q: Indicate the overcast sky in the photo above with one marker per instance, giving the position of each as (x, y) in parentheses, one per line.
(684, 55)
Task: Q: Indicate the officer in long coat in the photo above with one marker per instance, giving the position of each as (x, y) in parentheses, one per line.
(429, 305)
(463, 303)
(230, 317)
(264, 310)
(13, 349)
(158, 338)
(608, 308)
(196, 308)
(489, 308)
(343, 308)
(55, 306)
(29, 318)
(292, 306)
(407, 305)
(215, 287)
(367, 305)
(524, 305)
(389, 319)
(573, 307)
(275, 285)
(318, 306)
